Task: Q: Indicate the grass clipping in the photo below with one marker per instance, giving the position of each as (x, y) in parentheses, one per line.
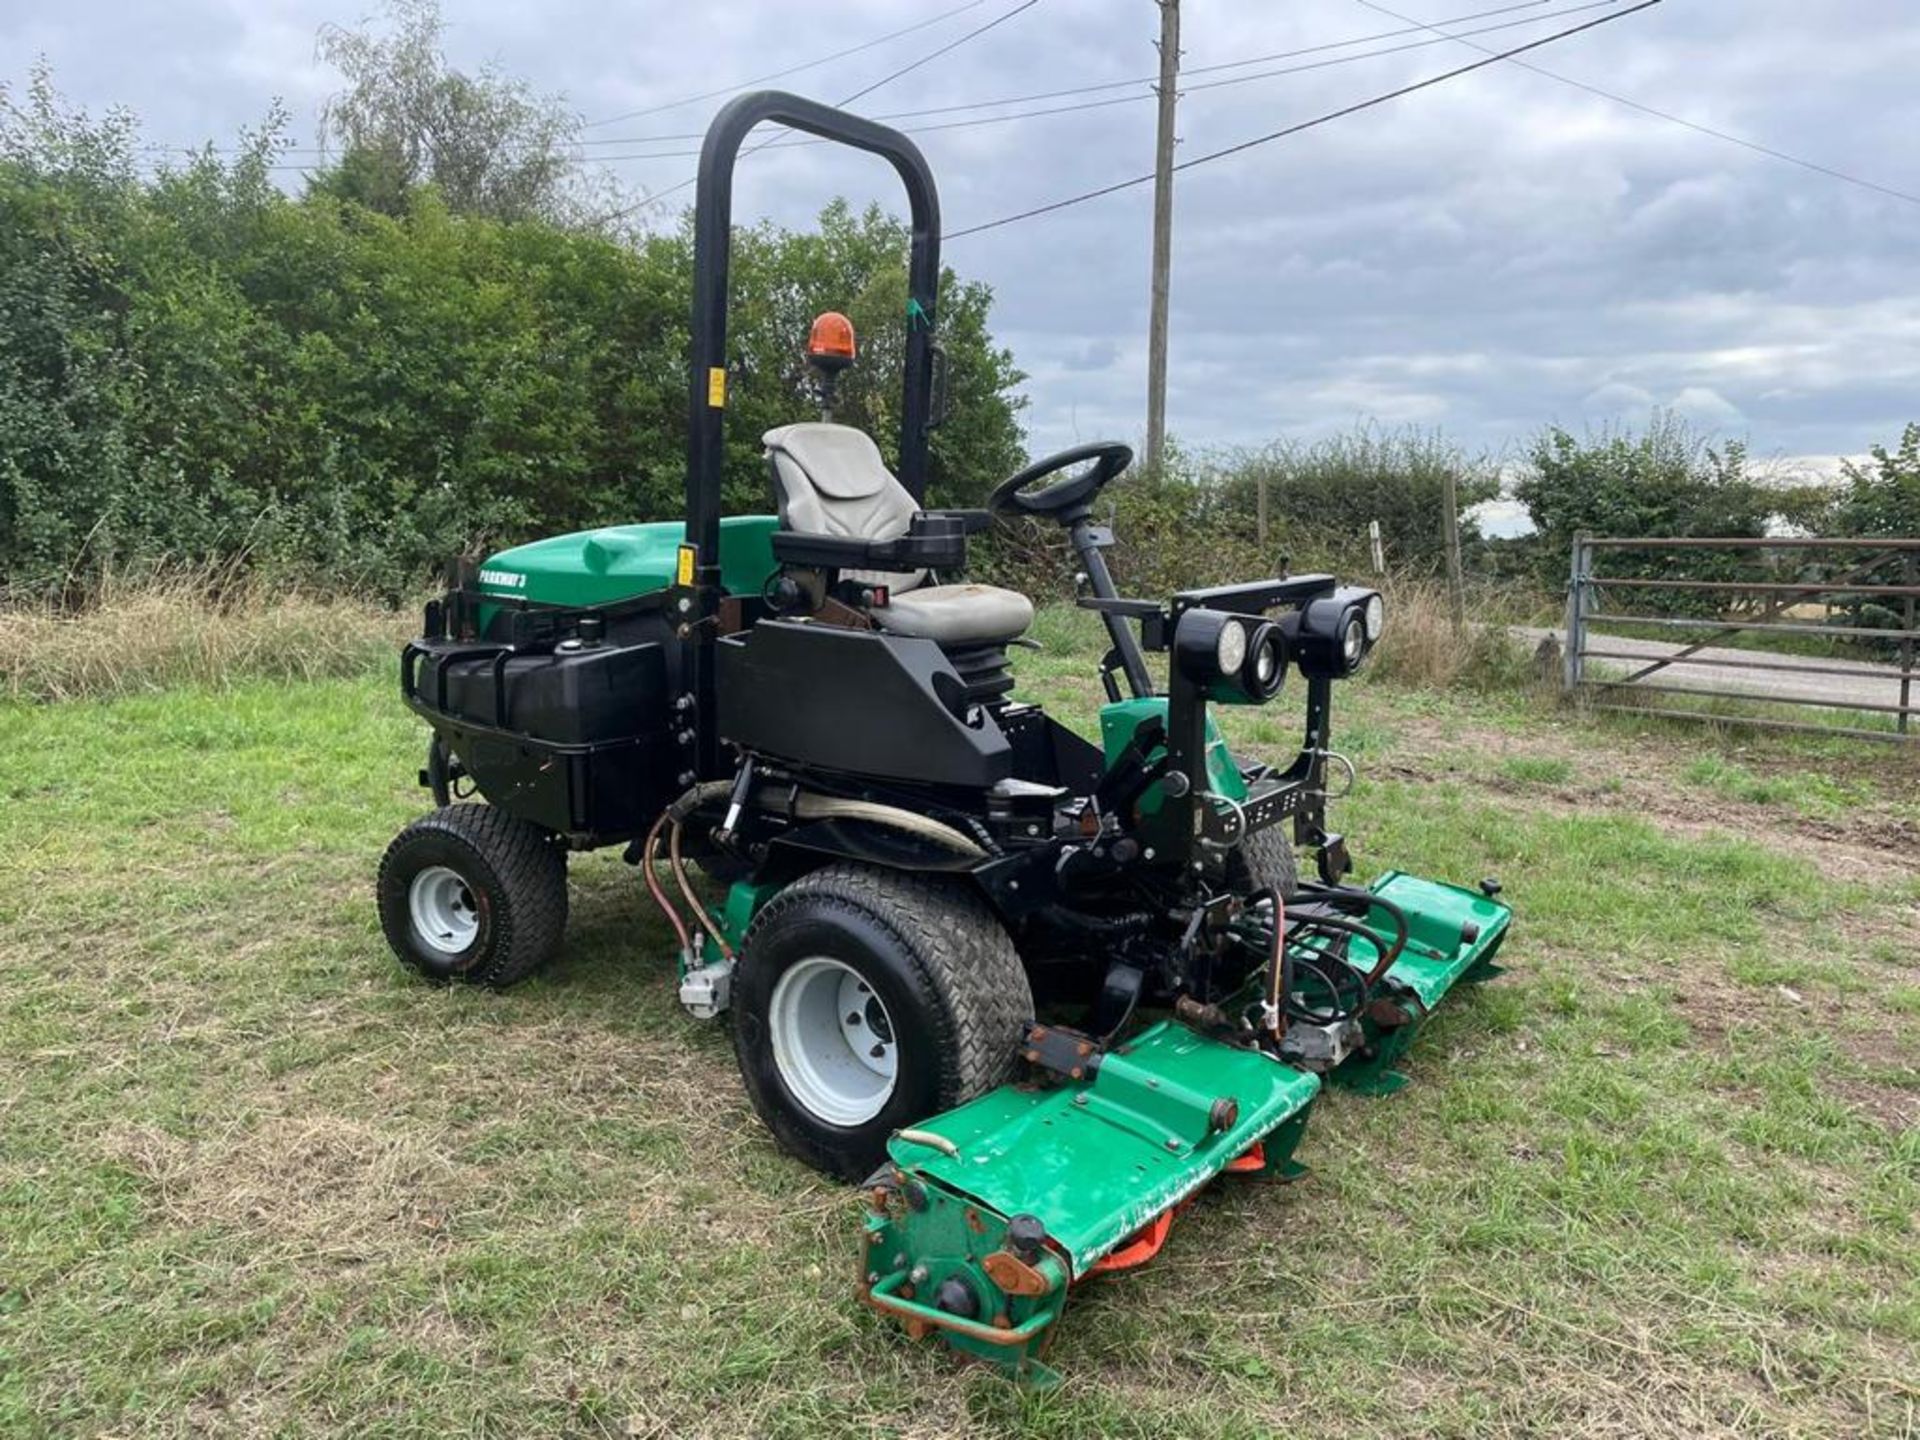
(133, 637)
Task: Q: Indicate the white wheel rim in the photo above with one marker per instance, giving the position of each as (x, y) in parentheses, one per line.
(833, 1041)
(442, 907)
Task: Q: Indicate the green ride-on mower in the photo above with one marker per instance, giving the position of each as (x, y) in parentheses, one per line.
(1032, 992)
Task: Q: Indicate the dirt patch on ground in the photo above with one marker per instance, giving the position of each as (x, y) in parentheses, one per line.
(1891, 1107)
(1867, 845)
(338, 1188)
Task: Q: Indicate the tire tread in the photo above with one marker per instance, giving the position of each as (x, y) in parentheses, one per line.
(531, 873)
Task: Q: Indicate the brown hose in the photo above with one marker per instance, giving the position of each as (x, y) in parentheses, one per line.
(679, 868)
(1276, 969)
(653, 885)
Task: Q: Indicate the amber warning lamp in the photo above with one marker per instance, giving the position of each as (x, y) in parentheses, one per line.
(830, 345)
(830, 349)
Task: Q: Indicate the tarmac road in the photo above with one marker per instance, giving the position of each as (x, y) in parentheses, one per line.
(1863, 683)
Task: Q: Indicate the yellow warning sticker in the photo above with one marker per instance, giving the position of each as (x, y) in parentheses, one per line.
(717, 388)
(683, 567)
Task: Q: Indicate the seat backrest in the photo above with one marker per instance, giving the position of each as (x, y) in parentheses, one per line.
(830, 480)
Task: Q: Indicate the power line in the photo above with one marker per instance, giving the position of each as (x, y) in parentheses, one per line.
(1318, 120)
(1658, 114)
(892, 115)
(1411, 28)
(907, 69)
(790, 70)
(792, 142)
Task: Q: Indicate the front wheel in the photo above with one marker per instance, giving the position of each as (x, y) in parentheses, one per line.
(866, 1000)
(471, 893)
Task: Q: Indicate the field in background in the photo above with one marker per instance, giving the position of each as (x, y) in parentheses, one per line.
(1660, 1180)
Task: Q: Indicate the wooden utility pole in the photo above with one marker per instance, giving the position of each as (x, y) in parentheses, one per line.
(1162, 233)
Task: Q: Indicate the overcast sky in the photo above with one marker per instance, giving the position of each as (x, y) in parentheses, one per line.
(1485, 256)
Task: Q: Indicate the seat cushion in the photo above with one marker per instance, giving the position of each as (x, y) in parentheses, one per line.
(956, 614)
(830, 480)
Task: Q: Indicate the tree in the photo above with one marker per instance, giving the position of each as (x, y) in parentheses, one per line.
(486, 142)
(1666, 480)
(1883, 498)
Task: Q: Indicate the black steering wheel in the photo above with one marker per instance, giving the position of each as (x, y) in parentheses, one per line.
(1063, 497)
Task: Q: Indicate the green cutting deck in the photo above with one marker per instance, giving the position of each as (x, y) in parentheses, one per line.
(993, 1210)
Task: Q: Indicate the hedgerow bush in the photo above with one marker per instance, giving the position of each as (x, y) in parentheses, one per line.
(196, 366)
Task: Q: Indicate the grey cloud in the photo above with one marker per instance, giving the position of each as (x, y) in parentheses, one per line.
(1484, 256)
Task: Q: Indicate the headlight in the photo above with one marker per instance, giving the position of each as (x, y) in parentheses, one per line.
(1266, 666)
(1230, 650)
(1234, 659)
(1333, 635)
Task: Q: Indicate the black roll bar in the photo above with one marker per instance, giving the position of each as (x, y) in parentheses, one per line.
(707, 384)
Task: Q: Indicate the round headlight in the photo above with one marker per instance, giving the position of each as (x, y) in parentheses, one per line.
(1376, 619)
(1353, 641)
(1230, 650)
(1266, 664)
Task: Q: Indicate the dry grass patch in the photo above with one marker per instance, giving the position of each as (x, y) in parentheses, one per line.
(188, 627)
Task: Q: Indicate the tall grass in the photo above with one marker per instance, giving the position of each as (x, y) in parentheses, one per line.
(187, 626)
(212, 627)
(1421, 649)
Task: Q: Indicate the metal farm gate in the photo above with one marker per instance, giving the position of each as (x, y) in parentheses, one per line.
(1878, 577)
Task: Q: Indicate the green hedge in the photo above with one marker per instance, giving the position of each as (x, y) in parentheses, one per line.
(196, 367)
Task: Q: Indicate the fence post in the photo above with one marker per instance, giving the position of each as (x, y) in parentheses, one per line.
(1260, 509)
(1909, 574)
(1375, 548)
(1575, 665)
(1450, 521)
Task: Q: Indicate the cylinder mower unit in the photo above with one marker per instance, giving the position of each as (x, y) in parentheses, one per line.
(1034, 991)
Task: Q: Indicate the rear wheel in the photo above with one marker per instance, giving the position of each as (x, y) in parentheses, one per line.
(866, 1000)
(471, 893)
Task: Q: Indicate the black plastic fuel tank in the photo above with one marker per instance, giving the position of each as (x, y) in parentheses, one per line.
(577, 694)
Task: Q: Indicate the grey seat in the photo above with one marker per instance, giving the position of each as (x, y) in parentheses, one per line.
(831, 480)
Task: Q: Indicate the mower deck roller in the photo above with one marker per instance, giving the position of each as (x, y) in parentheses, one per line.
(988, 1215)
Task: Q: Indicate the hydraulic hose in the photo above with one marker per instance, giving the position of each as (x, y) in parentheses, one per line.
(647, 861)
(806, 805)
(1275, 1013)
(1367, 900)
(679, 868)
(811, 806)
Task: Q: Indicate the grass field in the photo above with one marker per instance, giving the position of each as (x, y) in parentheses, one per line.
(1660, 1180)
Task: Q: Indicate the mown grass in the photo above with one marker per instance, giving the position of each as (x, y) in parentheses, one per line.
(1660, 1180)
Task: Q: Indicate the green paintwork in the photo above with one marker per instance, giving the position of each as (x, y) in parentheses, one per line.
(1121, 718)
(950, 1235)
(617, 562)
(743, 902)
(1098, 1160)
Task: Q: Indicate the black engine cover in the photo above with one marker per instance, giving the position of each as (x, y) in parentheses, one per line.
(856, 701)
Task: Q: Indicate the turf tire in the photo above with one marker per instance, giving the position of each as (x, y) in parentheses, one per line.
(516, 874)
(1265, 858)
(936, 957)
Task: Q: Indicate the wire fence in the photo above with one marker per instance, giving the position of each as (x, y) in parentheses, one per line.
(1813, 603)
